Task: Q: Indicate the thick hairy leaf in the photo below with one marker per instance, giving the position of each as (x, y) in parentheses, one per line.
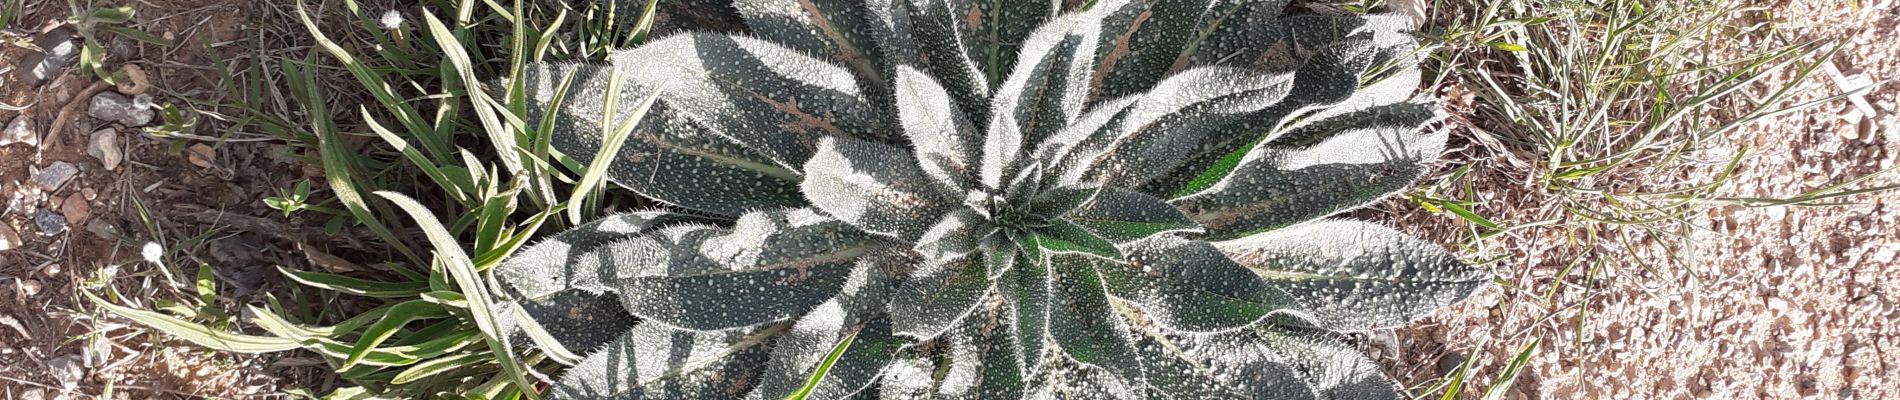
(1225, 366)
(565, 262)
(1075, 382)
(1123, 216)
(1252, 33)
(773, 100)
(1082, 322)
(1352, 275)
(946, 142)
(1181, 116)
(938, 295)
(562, 289)
(1276, 188)
(982, 359)
(798, 355)
(769, 266)
(1332, 58)
(834, 29)
(910, 377)
(667, 157)
(1043, 94)
(656, 362)
(1068, 153)
(1188, 285)
(1026, 290)
(1333, 368)
(1067, 237)
(961, 232)
(940, 32)
(875, 187)
(1141, 39)
(997, 30)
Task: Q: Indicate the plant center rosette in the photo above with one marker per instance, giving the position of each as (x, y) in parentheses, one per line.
(989, 200)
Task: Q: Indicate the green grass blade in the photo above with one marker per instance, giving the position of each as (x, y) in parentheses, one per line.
(197, 334)
(335, 156)
(400, 315)
(818, 374)
(462, 270)
(359, 287)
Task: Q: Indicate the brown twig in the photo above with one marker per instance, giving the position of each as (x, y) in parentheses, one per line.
(66, 113)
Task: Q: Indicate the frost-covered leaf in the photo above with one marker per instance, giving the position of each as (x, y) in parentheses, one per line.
(1352, 275)
(769, 266)
(653, 361)
(771, 99)
(561, 289)
(1225, 366)
(946, 142)
(1026, 290)
(960, 232)
(938, 295)
(1182, 115)
(1083, 323)
(1334, 369)
(872, 186)
(667, 157)
(797, 356)
(1189, 285)
(1141, 39)
(834, 29)
(1278, 188)
(1122, 216)
(1043, 94)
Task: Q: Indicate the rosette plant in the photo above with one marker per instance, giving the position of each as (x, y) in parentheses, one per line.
(989, 200)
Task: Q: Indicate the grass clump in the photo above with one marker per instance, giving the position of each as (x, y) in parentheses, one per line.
(424, 324)
(1605, 122)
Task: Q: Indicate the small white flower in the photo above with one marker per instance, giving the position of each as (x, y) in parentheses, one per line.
(391, 20)
(152, 252)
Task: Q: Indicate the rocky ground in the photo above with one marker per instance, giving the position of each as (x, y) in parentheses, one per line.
(1742, 303)
(89, 175)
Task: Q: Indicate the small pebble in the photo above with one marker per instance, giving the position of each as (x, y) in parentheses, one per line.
(20, 131)
(105, 147)
(29, 287)
(9, 238)
(39, 68)
(105, 230)
(132, 112)
(55, 176)
(68, 370)
(49, 222)
(76, 208)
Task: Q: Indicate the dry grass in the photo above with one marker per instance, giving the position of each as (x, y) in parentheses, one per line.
(1638, 248)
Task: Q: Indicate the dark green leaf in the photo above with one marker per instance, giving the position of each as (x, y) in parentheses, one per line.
(1190, 286)
(1123, 216)
(938, 295)
(874, 187)
(1351, 275)
(769, 266)
(653, 361)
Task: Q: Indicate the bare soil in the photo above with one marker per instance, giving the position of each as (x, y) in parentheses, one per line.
(53, 342)
(1744, 303)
